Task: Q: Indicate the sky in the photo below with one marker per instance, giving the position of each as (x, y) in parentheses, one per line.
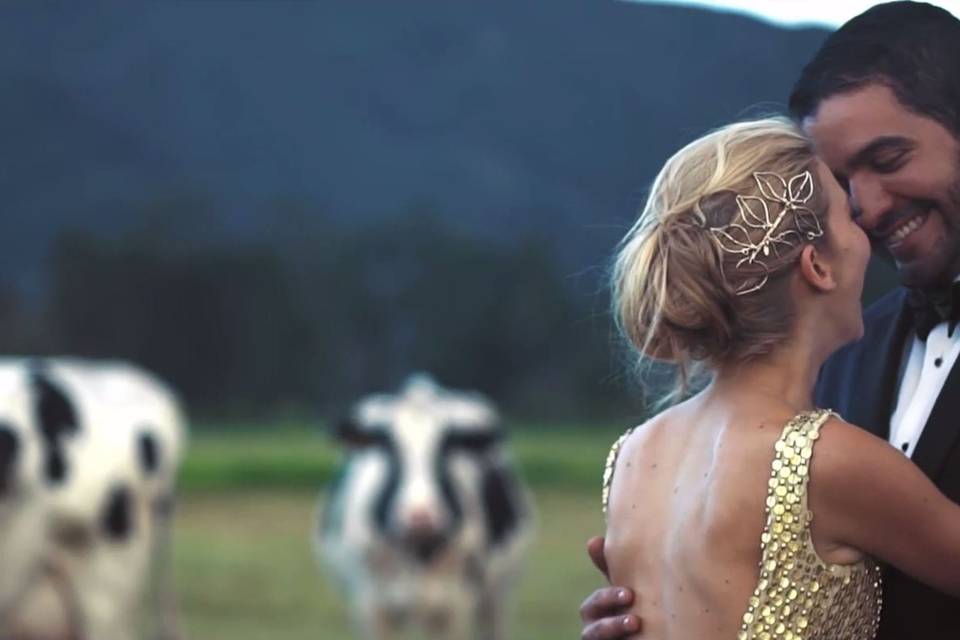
(798, 13)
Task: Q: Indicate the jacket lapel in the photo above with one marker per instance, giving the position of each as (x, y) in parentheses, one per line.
(862, 385)
(874, 390)
(942, 429)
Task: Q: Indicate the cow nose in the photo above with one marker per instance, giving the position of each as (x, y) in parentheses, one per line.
(426, 545)
(421, 521)
(424, 535)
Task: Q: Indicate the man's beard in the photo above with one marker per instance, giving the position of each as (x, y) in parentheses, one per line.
(949, 211)
(952, 222)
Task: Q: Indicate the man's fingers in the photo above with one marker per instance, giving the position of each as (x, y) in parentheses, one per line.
(602, 612)
(605, 602)
(595, 551)
(612, 628)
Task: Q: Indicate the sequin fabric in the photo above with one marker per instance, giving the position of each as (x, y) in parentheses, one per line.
(608, 468)
(798, 595)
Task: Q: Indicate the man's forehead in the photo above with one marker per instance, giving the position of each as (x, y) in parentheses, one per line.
(848, 123)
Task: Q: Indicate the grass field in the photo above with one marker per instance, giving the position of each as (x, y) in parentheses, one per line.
(243, 562)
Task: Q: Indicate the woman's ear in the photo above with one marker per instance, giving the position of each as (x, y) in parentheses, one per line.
(815, 270)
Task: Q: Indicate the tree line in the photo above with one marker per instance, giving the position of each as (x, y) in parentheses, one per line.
(308, 314)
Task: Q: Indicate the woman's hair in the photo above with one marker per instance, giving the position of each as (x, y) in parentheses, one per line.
(683, 290)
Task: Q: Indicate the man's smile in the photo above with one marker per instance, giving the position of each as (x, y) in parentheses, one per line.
(904, 229)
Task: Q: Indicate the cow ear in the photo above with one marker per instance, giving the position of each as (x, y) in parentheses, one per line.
(343, 430)
(349, 433)
(9, 446)
(478, 442)
(501, 504)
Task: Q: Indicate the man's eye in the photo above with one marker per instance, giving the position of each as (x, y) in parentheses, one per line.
(889, 162)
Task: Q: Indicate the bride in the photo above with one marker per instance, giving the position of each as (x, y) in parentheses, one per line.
(745, 511)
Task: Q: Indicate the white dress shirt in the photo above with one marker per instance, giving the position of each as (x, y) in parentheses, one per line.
(927, 367)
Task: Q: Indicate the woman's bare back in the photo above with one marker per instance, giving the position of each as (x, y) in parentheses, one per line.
(685, 516)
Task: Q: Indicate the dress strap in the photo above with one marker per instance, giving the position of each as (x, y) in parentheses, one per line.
(790, 472)
(785, 539)
(608, 467)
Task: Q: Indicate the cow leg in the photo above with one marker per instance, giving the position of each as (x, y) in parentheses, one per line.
(491, 621)
(390, 625)
(454, 618)
(376, 621)
(164, 592)
(64, 588)
(460, 625)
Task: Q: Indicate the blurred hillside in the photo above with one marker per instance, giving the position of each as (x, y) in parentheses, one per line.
(283, 204)
(499, 115)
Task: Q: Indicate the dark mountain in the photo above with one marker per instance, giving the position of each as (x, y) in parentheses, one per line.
(506, 117)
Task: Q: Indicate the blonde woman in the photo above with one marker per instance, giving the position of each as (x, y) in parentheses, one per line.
(746, 267)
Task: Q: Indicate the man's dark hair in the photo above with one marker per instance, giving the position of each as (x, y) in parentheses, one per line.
(911, 47)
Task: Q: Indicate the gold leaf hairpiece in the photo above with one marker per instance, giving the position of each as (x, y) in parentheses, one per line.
(754, 214)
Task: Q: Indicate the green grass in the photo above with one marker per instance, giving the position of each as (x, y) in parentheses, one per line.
(245, 571)
(243, 563)
(297, 457)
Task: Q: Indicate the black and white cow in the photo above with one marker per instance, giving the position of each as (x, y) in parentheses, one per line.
(23, 510)
(108, 439)
(428, 524)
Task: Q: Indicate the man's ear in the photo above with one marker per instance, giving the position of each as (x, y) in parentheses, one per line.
(815, 270)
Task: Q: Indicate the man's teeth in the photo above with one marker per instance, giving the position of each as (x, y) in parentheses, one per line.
(898, 236)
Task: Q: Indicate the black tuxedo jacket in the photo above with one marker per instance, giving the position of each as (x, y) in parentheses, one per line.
(860, 383)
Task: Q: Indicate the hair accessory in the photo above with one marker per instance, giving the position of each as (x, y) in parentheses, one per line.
(755, 216)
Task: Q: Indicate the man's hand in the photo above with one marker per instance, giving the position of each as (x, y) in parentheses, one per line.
(597, 557)
(603, 613)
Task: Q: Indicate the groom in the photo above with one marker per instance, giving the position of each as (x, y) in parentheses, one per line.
(881, 102)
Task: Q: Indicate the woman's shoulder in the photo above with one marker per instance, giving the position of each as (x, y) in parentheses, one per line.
(839, 438)
(639, 438)
(845, 451)
(628, 439)
(646, 430)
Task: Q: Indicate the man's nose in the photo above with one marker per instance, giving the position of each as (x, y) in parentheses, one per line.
(871, 201)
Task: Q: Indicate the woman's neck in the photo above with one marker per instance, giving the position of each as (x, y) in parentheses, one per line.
(787, 376)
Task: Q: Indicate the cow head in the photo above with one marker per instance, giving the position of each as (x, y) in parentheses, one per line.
(437, 446)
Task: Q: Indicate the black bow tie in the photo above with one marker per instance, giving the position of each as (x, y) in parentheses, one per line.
(932, 306)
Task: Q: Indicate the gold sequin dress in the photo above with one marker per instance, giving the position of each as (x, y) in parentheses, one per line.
(798, 595)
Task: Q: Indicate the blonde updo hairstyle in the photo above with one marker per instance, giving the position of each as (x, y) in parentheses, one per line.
(674, 291)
